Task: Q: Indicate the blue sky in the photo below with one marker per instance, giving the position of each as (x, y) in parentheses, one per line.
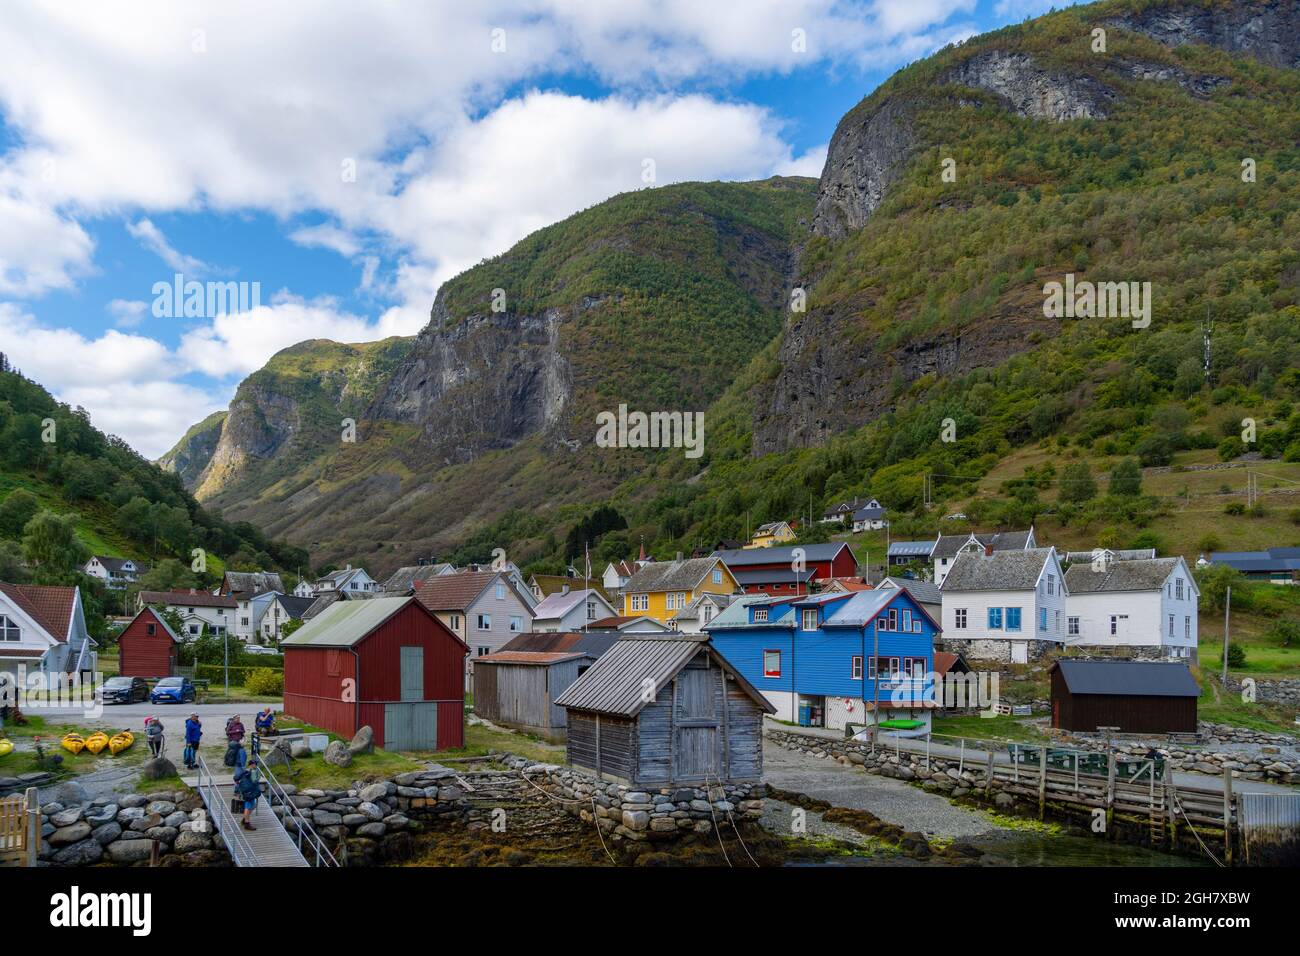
(350, 158)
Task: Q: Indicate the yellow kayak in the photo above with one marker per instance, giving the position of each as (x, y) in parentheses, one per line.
(97, 742)
(120, 742)
(74, 743)
(5, 746)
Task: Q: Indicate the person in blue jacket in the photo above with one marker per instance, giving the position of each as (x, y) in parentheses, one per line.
(249, 790)
(265, 721)
(193, 733)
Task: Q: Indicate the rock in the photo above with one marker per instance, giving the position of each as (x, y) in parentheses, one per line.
(98, 816)
(70, 793)
(166, 835)
(323, 818)
(190, 841)
(636, 819)
(161, 807)
(337, 754)
(363, 742)
(299, 749)
(355, 819)
(133, 800)
(176, 819)
(374, 830)
(79, 854)
(1004, 801)
(376, 791)
(64, 836)
(130, 851)
(66, 818)
(107, 833)
(371, 811)
(127, 815)
(157, 768)
(661, 824)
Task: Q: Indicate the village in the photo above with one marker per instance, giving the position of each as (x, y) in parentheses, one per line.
(760, 702)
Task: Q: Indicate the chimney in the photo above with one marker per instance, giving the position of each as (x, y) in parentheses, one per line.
(988, 550)
(679, 555)
(564, 589)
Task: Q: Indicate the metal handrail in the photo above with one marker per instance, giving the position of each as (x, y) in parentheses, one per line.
(302, 826)
(219, 812)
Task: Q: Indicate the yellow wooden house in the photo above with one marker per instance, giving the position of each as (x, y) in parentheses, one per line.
(662, 588)
(771, 534)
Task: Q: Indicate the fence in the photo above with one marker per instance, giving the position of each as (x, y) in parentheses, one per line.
(20, 828)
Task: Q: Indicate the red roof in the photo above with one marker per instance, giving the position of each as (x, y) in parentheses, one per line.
(528, 657)
(619, 621)
(188, 598)
(851, 584)
(453, 592)
(50, 607)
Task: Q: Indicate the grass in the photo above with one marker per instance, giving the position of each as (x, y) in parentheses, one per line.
(988, 728)
(25, 760)
(1220, 707)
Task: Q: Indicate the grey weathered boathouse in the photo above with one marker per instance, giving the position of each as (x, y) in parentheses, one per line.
(665, 710)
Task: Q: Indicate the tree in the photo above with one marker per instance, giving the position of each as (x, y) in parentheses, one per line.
(289, 626)
(16, 510)
(1213, 580)
(1077, 483)
(1126, 479)
(52, 547)
(168, 575)
(12, 568)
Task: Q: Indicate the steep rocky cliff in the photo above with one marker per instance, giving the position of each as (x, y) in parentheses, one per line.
(192, 453)
(1268, 30)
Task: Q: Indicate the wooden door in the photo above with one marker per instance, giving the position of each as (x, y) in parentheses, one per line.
(412, 663)
(697, 750)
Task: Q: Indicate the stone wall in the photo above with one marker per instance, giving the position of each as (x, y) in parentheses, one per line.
(632, 813)
(1273, 691)
(993, 650)
(122, 829)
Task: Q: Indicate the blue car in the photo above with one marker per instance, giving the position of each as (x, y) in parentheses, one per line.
(172, 690)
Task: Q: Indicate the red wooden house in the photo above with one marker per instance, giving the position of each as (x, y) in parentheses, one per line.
(779, 571)
(385, 662)
(148, 646)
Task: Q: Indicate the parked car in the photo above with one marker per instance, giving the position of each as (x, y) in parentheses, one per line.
(259, 649)
(124, 690)
(173, 690)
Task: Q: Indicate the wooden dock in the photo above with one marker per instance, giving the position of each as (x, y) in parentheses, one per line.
(269, 845)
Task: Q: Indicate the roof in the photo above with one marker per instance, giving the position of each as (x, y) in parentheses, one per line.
(946, 661)
(910, 548)
(255, 581)
(1123, 554)
(773, 576)
(114, 565)
(771, 527)
(49, 606)
(868, 514)
(624, 569)
(927, 592)
(530, 658)
(347, 623)
(591, 643)
(692, 610)
(781, 555)
(1147, 575)
(949, 544)
(671, 575)
(626, 622)
(849, 584)
(614, 684)
(557, 604)
(454, 592)
(1000, 571)
(403, 579)
(161, 620)
(296, 606)
(1274, 559)
(1128, 678)
(188, 599)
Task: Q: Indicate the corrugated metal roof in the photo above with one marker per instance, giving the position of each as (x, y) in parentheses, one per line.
(782, 555)
(615, 684)
(345, 623)
(927, 592)
(911, 548)
(592, 643)
(1128, 678)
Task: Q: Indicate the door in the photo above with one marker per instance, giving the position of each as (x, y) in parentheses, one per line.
(412, 726)
(1019, 652)
(412, 662)
(1056, 714)
(696, 751)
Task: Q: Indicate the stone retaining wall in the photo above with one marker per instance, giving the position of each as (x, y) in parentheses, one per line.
(122, 829)
(632, 813)
(1274, 691)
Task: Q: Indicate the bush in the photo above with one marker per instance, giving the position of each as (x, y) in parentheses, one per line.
(1236, 655)
(264, 681)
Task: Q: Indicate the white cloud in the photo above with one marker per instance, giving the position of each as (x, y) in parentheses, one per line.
(152, 238)
(325, 236)
(127, 313)
(39, 249)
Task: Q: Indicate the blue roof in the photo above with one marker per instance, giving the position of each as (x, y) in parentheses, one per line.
(910, 547)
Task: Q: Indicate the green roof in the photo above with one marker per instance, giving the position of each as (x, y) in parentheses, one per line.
(345, 623)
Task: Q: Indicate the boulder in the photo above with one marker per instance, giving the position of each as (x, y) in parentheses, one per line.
(161, 807)
(376, 791)
(157, 768)
(363, 742)
(127, 815)
(106, 833)
(189, 841)
(69, 793)
(337, 753)
(130, 851)
(176, 819)
(374, 830)
(66, 818)
(371, 811)
(65, 836)
(166, 835)
(299, 748)
(133, 800)
(79, 854)
(98, 816)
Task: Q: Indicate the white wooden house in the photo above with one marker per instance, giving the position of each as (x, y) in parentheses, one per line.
(116, 573)
(1148, 607)
(947, 547)
(1006, 606)
(570, 610)
(43, 630)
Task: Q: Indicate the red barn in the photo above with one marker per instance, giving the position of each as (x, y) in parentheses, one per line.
(385, 662)
(772, 570)
(148, 646)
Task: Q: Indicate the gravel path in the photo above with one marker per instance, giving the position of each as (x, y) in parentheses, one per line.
(892, 800)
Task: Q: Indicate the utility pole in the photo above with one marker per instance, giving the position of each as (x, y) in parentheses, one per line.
(875, 682)
(1227, 611)
(1207, 342)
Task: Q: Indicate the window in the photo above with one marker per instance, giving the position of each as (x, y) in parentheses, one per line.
(771, 663)
(893, 619)
(1056, 623)
(1114, 622)
(454, 620)
(717, 575)
(591, 610)
(485, 622)
(1042, 619)
(484, 651)
(961, 618)
(640, 602)
(857, 667)
(1072, 626)
(151, 629)
(907, 621)
(708, 613)
(9, 630)
(760, 615)
(1051, 584)
(1171, 625)
(194, 630)
(1013, 619)
(1187, 628)
(243, 621)
(501, 591)
(995, 619)
(516, 623)
(1178, 590)
(915, 667)
(871, 668)
(810, 619)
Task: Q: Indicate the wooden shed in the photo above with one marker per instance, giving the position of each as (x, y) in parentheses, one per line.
(388, 663)
(517, 686)
(147, 646)
(1138, 697)
(662, 711)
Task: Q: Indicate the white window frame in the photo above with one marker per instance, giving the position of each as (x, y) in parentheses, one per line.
(809, 619)
(1072, 626)
(959, 619)
(8, 626)
(760, 615)
(485, 618)
(768, 671)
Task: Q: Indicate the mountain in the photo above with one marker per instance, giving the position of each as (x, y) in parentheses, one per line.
(927, 368)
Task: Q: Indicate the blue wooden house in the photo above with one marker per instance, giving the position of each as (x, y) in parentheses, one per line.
(833, 659)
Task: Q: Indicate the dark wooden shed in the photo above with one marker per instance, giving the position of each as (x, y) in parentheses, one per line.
(147, 646)
(665, 710)
(1138, 697)
(388, 663)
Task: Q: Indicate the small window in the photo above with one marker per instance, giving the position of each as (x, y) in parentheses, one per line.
(1187, 628)
(961, 618)
(1171, 626)
(151, 629)
(995, 619)
(1042, 619)
(771, 663)
(485, 622)
(717, 575)
(9, 630)
(857, 667)
(516, 623)
(1013, 619)
(484, 651)
(760, 615)
(871, 668)
(1072, 626)
(501, 591)
(454, 619)
(810, 619)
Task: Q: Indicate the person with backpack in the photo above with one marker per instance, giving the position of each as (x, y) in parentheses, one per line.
(235, 757)
(153, 733)
(265, 721)
(235, 729)
(247, 789)
(193, 733)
